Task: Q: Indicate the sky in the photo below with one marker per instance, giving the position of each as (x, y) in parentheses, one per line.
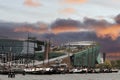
(63, 21)
(48, 10)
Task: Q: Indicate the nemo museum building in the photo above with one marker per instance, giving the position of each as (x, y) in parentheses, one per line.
(84, 53)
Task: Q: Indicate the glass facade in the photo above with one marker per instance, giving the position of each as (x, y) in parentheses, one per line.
(16, 46)
(87, 57)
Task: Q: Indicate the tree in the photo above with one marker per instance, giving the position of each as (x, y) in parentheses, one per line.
(107, 64)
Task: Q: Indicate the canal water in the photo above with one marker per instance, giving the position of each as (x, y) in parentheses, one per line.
(99, 76)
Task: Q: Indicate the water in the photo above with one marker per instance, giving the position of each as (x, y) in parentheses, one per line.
(101, 76)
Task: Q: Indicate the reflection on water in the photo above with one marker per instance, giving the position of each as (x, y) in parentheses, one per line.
(99, 76)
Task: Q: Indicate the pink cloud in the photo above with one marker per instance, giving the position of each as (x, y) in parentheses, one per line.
(68, 11)
(74, 1)
(32, 3)
(112, 31)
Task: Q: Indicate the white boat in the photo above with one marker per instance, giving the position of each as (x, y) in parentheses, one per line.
(75, 70)
(33, 70)
(115, 70)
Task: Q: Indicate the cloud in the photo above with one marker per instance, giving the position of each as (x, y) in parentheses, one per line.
(38, 28)
(7, 30)
(65, 25)
(89, 22)
(103, 28)
(68, 11)
(60, 29)
(32, 3)
(117, 19)
(20, 30)
(107, 45)
(111, 31)
(74, 1)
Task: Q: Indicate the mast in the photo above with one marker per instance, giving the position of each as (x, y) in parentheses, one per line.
(34, 54)
(44, 52)
(27, 48)
(48, 51)
(34, 40)
(69, 55)
(88, 59)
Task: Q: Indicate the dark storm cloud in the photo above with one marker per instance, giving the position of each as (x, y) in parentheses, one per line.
(102, 27)
(65, 25)
(6, 29)
(117, 19)
(90, 23)
(109, 46)
(21, 30)
(66, 22)
(87, 23)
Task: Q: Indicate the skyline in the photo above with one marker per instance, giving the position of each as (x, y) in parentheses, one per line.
(63, 21)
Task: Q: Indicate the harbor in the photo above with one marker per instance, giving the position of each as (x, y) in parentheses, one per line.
(81, 57)
(55, 70)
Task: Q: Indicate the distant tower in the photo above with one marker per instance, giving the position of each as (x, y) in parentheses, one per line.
(104, 56)
(47, 50)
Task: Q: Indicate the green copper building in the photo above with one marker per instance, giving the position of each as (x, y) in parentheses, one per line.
(85, 53)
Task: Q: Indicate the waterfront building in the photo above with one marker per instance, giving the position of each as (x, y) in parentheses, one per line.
(18, 49)
(84, 53)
